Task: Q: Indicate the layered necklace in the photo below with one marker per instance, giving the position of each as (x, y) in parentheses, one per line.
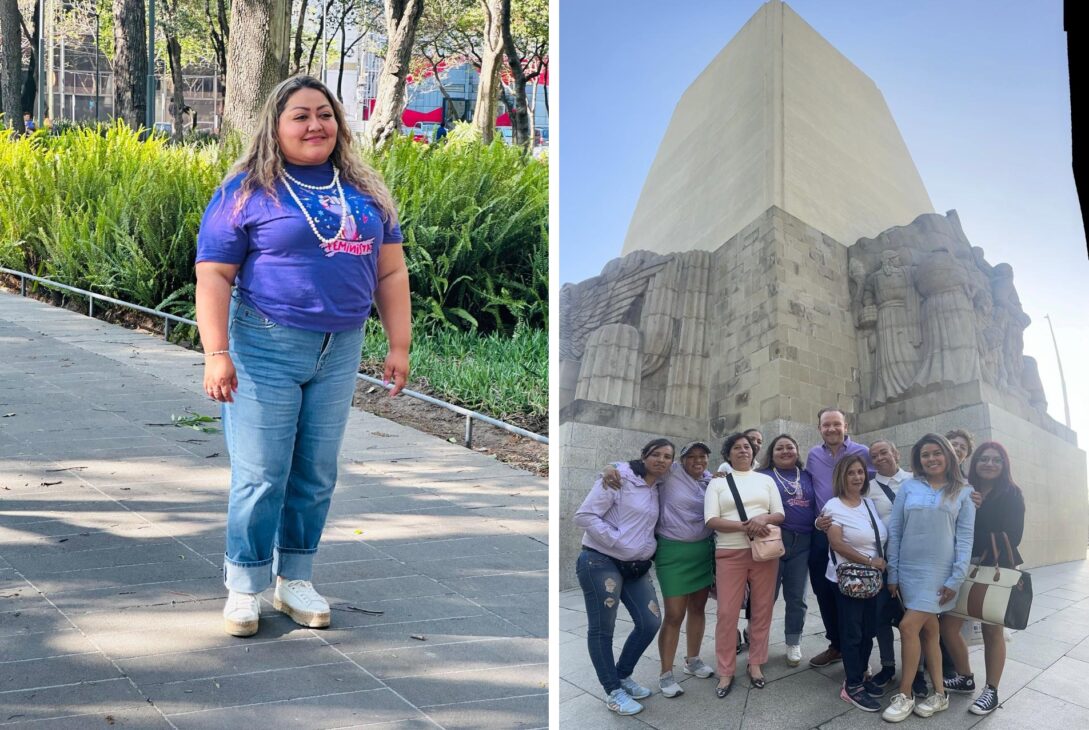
(288, 179)
(791, 486)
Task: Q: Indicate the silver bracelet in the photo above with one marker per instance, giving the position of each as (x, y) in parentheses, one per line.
(217, 352)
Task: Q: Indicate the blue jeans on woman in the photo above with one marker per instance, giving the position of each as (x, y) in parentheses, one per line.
(793, 569)
(857, 627)
(283, 433)
(602, 585)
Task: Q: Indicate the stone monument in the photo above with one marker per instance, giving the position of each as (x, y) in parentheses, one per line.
(803, 267)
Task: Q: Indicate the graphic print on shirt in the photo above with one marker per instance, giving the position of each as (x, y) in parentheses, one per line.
(799, 500)
(349, 242)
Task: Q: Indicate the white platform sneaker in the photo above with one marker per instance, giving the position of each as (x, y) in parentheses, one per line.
(241, 614)
(299, 600)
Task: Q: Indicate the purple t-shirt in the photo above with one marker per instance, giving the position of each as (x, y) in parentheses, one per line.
(285, 272)
(799, 503)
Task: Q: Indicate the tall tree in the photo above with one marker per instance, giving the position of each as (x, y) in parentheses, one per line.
(496, 17)
(130, 62)
(257, 58)
(30, 80)
(11, 63)
(402, 18)
(527, 31)
(174, 55)
(218, 32)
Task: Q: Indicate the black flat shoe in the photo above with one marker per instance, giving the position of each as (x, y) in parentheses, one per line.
(757, 682)
(721, 692)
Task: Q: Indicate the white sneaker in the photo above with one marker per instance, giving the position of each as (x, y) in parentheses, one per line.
(635, 690)
(696, 667)
(794, 655)
(899, 709)
(934, 703)
(669, 685)
(241, 613)
(299, 600)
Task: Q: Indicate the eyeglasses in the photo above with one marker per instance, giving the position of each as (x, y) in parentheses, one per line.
(997, 460)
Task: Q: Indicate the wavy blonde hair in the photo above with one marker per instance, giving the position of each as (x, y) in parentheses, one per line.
(263, 162)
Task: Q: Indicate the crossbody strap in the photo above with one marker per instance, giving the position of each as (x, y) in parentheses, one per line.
(737, 498)
(885, 488)
(876, 535)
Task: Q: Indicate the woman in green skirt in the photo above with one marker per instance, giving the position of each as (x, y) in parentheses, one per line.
(684, 561)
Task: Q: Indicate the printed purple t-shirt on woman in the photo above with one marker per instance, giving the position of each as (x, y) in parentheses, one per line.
(285, 272)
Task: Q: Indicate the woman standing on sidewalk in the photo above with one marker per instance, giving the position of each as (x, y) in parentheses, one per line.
(617, 547)
(930, 543)
(306, 235)
(800, 506)
(734, 562)
(1001, 514)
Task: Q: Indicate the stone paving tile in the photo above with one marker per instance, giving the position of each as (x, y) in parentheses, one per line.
(110, 600)
(63, 642)
(275, 685)
(501, 584)
(465, 686)
(431, 658)
(80, 705)
(38, 618)
(46, 672)
(512, 713)
(360, 641)
(523, 609)
(329, 710)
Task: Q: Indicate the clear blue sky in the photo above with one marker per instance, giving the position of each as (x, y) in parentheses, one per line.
(979, 90)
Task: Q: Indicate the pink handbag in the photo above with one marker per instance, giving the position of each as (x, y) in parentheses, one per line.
(768, 547)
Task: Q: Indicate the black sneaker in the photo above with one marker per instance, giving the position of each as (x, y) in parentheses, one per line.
(918, 687)
(961, 683)
(986, 703)
(857, 696)
(884, 677)
(873, 690)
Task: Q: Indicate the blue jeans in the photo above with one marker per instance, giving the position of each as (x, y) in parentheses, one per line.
(884, 628)
(283, 435)
(857, 626)
(601, 585)
(793, 569)
(824, 589)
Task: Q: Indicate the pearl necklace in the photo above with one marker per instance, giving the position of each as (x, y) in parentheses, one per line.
(790, 486)
(306, 214)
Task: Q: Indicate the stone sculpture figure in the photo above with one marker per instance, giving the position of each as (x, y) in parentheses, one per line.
(865, 328)
(891, 289)
(1012, 320)
(950, 346)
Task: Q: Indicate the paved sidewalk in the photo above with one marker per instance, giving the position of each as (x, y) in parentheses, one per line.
(111, 538)
(1043, 684)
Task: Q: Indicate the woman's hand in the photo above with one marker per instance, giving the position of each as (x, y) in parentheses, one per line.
(755, 529)
(220, 379)
(977, 498)
(610, 477)
(878, 563)
(945, 595)
(894, 589)
(823, 522)
(719, 475)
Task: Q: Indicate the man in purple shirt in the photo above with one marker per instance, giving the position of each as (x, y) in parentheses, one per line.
(820, 462)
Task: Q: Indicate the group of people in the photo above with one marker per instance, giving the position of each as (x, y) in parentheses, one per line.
(845, 503)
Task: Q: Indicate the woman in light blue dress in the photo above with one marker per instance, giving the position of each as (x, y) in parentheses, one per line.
(930, 545)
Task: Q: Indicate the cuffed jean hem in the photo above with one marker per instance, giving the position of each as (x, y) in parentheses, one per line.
(293, 564)
(793, 640)
(247, 577)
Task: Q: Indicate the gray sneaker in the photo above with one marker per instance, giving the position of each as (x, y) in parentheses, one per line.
(696, 667)
(633, 688)
(621, 703)
(669, 686)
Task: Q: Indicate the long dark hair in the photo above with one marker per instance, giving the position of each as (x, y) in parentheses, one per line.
(1005, 477)
(638, 466)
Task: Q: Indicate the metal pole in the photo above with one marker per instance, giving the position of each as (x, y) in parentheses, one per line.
(60, 79)
(49, 109)
(468, 431)
(150, 103)
(1062, 379)
(98, 54)
(324, 43)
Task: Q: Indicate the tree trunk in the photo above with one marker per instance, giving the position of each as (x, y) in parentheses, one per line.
(130, 62)
(11, 64)
(343, 56)
(521, 128)
(402, 17)
(496, 18)
(296, 57)
(173, 52)
(30, 81)
(219, 32)
(257, 56)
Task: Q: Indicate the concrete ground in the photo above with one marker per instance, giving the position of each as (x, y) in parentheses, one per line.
(111, 538)
(1042, 685)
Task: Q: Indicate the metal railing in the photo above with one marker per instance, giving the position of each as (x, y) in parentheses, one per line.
(470, 415)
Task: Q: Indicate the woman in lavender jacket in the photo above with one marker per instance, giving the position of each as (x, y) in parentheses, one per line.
(617, 547)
